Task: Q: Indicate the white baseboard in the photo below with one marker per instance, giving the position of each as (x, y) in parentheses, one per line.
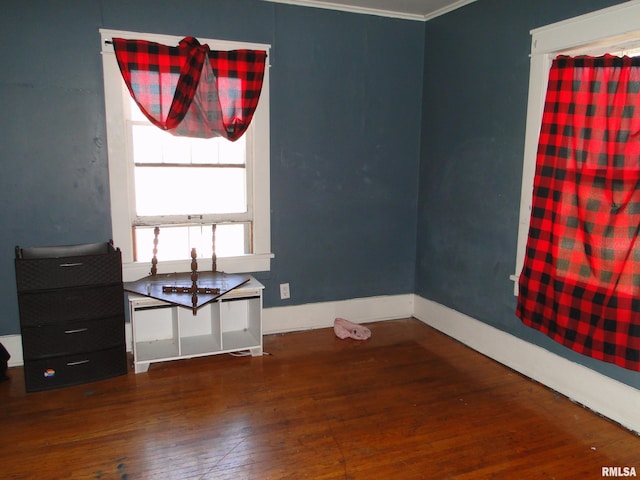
(288, 319)
(602, 394)
(13, 344)
(322, 315)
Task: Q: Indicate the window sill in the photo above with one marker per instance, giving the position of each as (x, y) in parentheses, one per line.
(259, 262)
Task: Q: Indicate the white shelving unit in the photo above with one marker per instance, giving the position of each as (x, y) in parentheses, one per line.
(163, 332)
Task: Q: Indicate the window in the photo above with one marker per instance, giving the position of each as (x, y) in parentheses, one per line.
(612, 30)
(208, 184)
(185, 185)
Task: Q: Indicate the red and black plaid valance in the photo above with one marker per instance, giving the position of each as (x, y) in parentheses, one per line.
(178, 91)
(580, 283)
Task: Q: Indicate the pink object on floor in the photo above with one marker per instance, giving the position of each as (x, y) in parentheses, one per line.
(346, 329)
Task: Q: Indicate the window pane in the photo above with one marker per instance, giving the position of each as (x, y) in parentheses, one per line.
(189, 190)
(176, 242)
(174, 149)
(147, 143)
(218, 150)
(153, 145)
(232, 152)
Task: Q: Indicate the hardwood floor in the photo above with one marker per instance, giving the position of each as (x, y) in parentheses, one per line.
(409, 403)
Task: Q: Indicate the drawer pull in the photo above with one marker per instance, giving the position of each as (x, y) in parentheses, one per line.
(80, 362)
(77, 330)
(77, 264)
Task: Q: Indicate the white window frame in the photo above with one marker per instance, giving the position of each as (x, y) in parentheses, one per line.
(615, 28)
(120, 173)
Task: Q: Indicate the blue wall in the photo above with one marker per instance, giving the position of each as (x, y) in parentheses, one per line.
(473, 127)
(345, 135)
(396, 146)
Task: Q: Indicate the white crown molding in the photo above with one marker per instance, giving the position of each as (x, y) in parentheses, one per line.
(375, 11)
(447, 9)
(351, 9)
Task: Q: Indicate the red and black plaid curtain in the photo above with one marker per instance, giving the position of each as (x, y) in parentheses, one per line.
(580, 284)
(178, 91)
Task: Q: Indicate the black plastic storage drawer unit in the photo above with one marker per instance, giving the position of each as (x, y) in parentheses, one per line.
(72, 315)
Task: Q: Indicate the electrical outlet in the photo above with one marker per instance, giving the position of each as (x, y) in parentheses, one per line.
(284, 291)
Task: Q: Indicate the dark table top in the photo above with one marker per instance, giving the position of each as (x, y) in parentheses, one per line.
(210, 286)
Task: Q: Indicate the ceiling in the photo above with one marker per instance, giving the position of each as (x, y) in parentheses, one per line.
(408, 9)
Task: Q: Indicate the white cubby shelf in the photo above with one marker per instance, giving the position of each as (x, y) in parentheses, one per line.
(164, 332)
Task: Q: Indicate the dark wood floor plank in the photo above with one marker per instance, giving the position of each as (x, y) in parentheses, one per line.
(408, 403)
